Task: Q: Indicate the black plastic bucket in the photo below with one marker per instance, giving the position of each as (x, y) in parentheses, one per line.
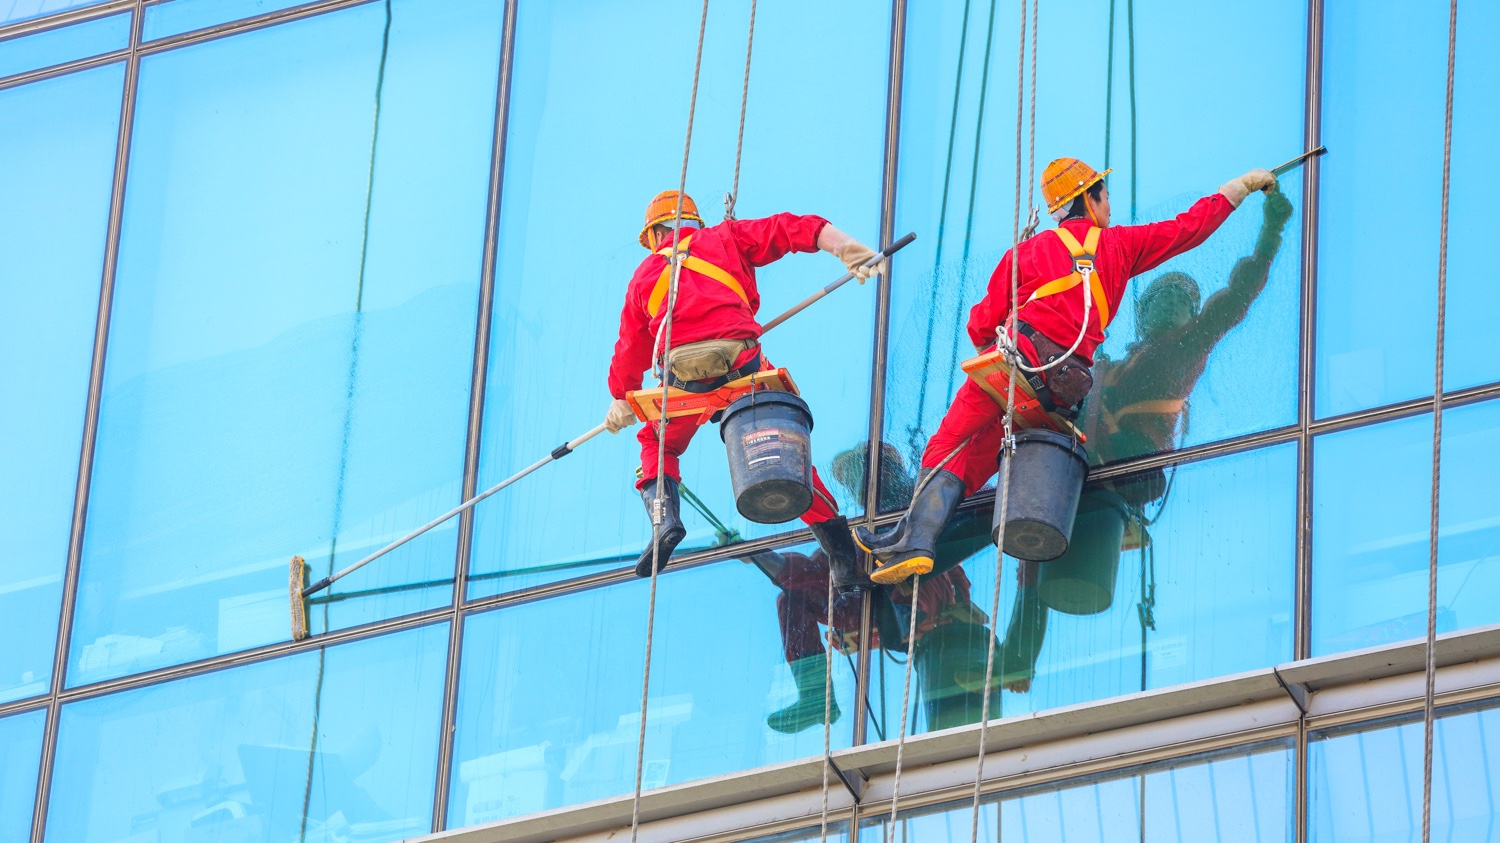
(767, 435)
(1082, 581)
(1045, 481)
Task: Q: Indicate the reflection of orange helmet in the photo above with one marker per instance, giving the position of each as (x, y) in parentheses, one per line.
(1065, 178)
(663, 208)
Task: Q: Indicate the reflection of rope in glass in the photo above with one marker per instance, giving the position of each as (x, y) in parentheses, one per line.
(963, 264)
(338, 506)
(914, 430)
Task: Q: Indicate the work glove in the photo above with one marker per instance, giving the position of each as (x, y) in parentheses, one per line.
(619, 417)
(1235, 190)
(853, 253)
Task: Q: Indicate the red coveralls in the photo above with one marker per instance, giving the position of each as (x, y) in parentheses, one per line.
(802, 604)
(1124, 251)
(708, 309)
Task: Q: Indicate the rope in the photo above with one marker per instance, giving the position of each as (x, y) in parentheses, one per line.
(1010, 400)
(827, 712)
(1437, 440)
(661, 435)
(911, 644)
(733, 195)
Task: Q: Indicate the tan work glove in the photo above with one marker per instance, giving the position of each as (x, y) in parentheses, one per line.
(853, 253)
(1235, 190)
(620, 416)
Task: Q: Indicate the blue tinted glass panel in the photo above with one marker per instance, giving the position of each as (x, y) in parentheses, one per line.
(1366, 784)
(56, 178)
(737, 682)
(1241, 796)
(60, 46)
(1225, 366)
(557, 308)
(1379, 59)
(20, 758)
(337, 744)
(1371, 498)
(1173, 576)
(15, 10)
(170, 17)
(291, 345)
(1476, 121)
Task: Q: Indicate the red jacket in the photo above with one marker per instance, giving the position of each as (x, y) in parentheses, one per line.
(706, 309)
(1124, 252)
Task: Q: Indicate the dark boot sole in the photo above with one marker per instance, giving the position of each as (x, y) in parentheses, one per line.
(669, 542)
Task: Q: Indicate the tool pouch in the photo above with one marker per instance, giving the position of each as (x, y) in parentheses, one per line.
(1070, 381)
(698, 361)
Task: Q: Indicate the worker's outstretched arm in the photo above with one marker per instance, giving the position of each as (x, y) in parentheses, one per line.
(628, 366)
(1149, 246)
(769, 239)
(1229, 306)
(986, 317)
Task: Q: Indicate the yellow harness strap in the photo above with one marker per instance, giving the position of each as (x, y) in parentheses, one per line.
(1083, 263)
(698, 265)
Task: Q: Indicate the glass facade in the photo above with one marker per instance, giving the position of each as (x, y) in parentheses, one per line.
(1365, 782)
(1244, 796)
(60, 46)
(55, 177)
(271, 284)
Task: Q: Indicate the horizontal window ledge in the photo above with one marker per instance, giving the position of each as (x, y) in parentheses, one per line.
(1033, 748)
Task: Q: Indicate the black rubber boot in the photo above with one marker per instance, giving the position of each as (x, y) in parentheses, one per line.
(843, 558)
(908, 549)
(807, 711)
(1016, 655)
(669, 533)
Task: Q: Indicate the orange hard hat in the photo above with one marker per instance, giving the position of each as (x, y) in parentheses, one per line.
(663, 209)
(1065, 178)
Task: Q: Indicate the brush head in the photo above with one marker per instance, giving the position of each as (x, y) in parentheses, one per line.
(298, 581)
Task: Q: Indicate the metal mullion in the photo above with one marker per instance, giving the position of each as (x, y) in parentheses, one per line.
(881, 345)
(235, 27)
(1307, 393)
(259, 654)
(24, 705)
(62, 19)
(64, 68)
(478, 385)
(90, 426)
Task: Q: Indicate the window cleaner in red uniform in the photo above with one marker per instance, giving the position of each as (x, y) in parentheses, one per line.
(715, 340)
(1050, 312)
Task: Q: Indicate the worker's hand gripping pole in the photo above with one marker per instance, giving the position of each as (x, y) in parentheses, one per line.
(807, 302)
(300, 593)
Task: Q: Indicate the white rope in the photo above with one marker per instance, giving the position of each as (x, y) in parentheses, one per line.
(1010, 399)
(827, 710)
(911, 645)
(1437, 441)
(733, 195)
(661, 438)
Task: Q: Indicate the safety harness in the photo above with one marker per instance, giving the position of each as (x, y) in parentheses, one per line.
(1084, 271)
(686, 260)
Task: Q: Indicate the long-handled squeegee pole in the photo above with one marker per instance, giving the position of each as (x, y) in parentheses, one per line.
(568, 447)
(1296, 162)
(557, 453)
(805, 303)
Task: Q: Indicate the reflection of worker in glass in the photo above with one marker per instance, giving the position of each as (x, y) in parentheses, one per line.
(715, 340)
(952, 631)
(1061, 318)
(1137, 401)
